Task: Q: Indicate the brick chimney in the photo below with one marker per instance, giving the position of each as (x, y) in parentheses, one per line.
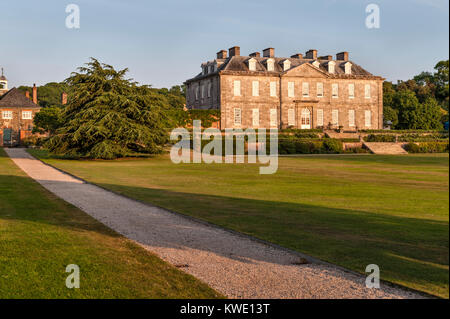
(27, 94)
(234, 51)
(222, 54)
(326, 57)
(269, 53)
(35, 101)
(311, 54)
(342, 56)
(64, 98)
(297, 56)
(255, 54)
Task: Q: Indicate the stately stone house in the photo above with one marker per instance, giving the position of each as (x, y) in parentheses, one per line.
(17, 111)
(301, 92)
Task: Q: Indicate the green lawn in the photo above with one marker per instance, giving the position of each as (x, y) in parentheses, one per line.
(40, 235)
(353, 210)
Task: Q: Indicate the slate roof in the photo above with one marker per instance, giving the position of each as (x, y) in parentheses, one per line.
(15, 98)
(239, 64)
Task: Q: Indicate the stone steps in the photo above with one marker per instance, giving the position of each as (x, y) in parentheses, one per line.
(386, 148)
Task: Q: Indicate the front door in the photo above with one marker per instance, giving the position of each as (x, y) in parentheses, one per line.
(305, 123)
(7, 136)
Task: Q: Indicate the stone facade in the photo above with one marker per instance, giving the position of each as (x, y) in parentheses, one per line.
(251, 93)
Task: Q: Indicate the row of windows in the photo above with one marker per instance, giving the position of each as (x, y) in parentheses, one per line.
(305, 119)
(8, 115)
(203, 91)
(305, 89)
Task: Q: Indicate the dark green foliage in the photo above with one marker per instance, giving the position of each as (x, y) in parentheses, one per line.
(380, 138)
(47, 120)
(427, 147)
(420, 103)
(332, 146)
(109, 116)
(49, 95)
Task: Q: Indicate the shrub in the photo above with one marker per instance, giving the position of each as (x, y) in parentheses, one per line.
(332, 146)
(380, 138)
(427, 147)
(33, 140)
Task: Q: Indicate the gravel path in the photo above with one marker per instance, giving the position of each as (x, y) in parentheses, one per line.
(235, 265)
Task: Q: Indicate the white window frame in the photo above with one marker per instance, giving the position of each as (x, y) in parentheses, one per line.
(319, 88)
(237, 88)
(319, 117)
(286, 65)
(270, 65)
(252, 65)
(27, 115)
(351, 91)
(351, 118)
(273, 89)
(273, 118)
(255, 88)
(209, 89)
(291, 117)
(331, 67)
(291, 89)
(255, 117)
(348, 68)
(7, 115)
(335, 117)
(305, 89)
(237, 116)
(335, 90)
(368, 118)
(367, 91)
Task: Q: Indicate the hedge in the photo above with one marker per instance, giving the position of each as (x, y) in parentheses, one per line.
(427, 147)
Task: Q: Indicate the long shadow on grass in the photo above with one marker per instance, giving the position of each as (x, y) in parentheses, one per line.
(406, 249)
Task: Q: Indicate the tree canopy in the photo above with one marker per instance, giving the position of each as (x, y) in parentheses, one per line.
(109, 116)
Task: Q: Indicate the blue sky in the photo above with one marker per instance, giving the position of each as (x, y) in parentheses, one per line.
(164, 42)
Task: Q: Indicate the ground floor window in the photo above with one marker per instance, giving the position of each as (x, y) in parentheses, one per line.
(320, 117)
(255, 117)
(291, 117)
(368, 118)
(7, 115)
(351, 118)
(306, 119)
(273, 117)
(237, 116)
(27, 115)
(335, 117)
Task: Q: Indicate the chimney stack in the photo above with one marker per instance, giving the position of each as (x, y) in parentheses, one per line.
(342, 56)
(27, 94)
(326, 57)
(269, 53)
(311, 54)
(35, 101)
(222, 54)
(255, 54)
(64, 98)
(297, 56)
(234, 51)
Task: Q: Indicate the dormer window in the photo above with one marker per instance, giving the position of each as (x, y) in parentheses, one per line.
(331, 67)
(348, 68)
(316, 64)
(270, 65)
(252, 64)
(204, 69)
(286, 65)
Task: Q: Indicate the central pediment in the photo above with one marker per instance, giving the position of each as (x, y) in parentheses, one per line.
(306, 70)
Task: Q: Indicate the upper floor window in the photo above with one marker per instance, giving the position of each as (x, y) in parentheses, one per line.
(367, 91)
(197, 92)
(351, 90)
(255, 117)
(335, 90)
(209, 89)
(273, 88)
(202, 91)
(237, 88)
(305, 89)
(273, 117)
(255, 88)
(291, 92)
(27, 115)
(7, 115)
(319, 89)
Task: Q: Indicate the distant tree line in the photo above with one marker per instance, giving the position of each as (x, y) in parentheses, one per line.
(419, 103)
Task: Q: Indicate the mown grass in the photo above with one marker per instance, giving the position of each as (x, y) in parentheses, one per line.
(352, 210)
(40, 235)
